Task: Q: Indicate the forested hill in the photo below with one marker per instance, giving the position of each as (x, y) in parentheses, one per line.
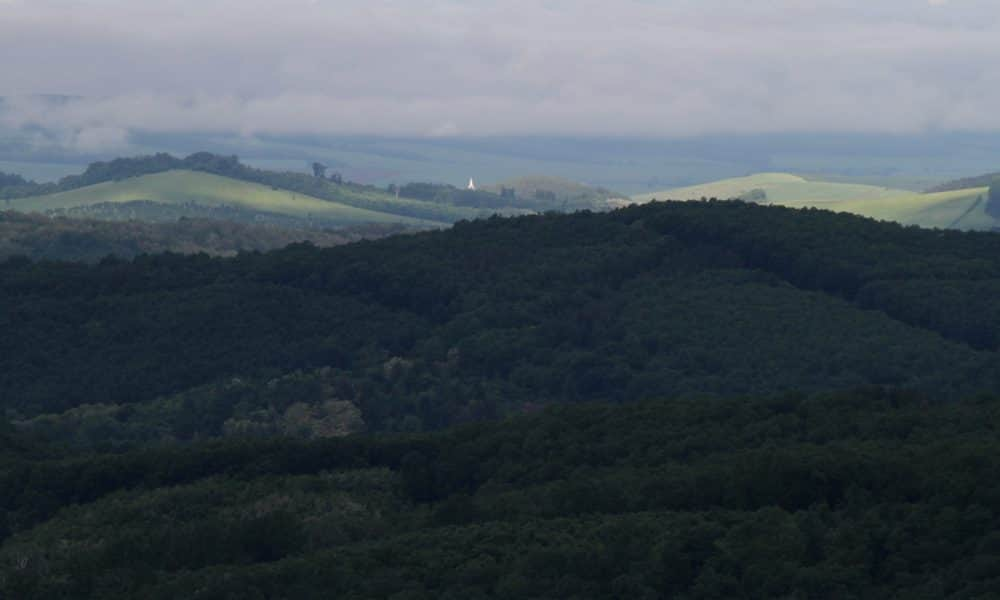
(690, 400)
(497, 316)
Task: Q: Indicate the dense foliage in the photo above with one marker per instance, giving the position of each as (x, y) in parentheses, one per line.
(862, 495)
(501, 315)
(148, 211)
(688, 400)
(42, 237)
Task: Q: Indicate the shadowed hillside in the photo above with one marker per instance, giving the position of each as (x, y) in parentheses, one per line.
(835, 496)
(689, 399)
(41, 237)
(497, 316)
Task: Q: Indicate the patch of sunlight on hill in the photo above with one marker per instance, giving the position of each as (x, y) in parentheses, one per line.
(181, 187)
(960, 209)
(781, 188)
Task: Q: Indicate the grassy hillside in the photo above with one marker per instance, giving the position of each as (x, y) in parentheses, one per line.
(957, 209)
(181, 187)
(781, 188)
(136, 171)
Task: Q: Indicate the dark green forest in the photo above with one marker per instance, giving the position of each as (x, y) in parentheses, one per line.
(864, 495)
(691, 400)
(89, 240)
(499, 315)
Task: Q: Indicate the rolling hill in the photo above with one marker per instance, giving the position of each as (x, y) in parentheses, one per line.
(308, 200)
(781, 188)
(162, 187)
(184, 188)
(958, 209)
(955, 209)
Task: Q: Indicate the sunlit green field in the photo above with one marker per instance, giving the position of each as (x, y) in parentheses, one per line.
(962, 209)
(190, 187)
(781, 188)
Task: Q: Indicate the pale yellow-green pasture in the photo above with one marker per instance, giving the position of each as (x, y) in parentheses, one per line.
(781, 188)
(961, 209)
(180, 187)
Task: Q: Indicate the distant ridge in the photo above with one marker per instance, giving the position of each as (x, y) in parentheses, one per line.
(127, 171)
(966, 183)
(177, 193)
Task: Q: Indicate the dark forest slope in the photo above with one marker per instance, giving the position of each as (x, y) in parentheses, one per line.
(90, 240)
(744, 402)
(875, 495)
(501, 315)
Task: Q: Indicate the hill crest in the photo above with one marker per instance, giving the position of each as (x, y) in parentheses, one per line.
(181, 187)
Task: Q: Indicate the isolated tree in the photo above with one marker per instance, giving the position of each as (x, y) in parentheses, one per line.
(336, 178)
(319, 170)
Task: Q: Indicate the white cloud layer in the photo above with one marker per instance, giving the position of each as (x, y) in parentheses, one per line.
(480, 67)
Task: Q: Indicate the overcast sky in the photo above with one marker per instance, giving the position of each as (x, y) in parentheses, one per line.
(475, 67)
